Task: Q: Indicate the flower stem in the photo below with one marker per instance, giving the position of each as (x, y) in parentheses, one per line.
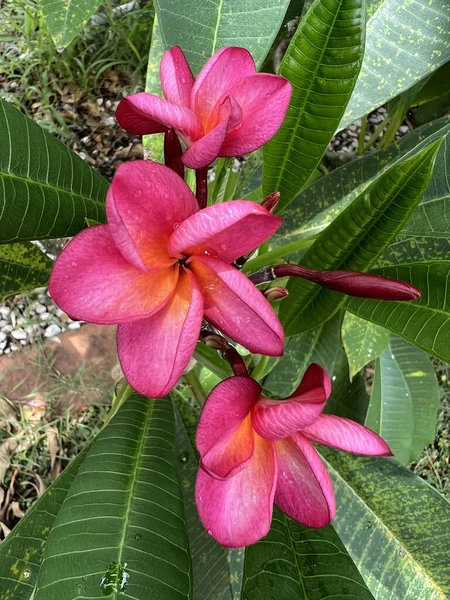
(197, 389)
(201, 187)
(118, 401)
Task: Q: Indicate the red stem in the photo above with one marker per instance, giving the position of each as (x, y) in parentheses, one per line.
(201, 187)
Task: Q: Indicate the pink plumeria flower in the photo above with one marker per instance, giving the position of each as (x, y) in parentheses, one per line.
(229, 110)
(158, 267)
(256, 452)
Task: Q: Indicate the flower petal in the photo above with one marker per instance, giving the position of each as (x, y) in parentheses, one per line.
(236, 307)
(223, 71)
(276, 419)
(224, 435)
(176, 77)
(346, 435)
(143, 114)
(238, 511)
(91, 281)
(154, 352)
(304, 488)
(227, 230)
(205, 150)
(145, 202)
(264, 100)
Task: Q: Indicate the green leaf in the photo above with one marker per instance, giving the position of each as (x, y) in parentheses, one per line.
(21, 552)
(250, 176)
(363, 341)
(423, 387)
(319, 345)
(322, 63)
(319, 204)
(121, 530)
(64, 19)
(22, 267)
(154, 143)
(436, 86)
(210, 359)
(209, 559)
(202, 28)
(402, 47)
(293, 561)
(349, 398)
(424, 323)
(355, 239)
(390, 412)
(395, 527)
(46, 191)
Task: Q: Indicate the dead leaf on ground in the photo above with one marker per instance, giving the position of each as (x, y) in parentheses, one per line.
(6, 450)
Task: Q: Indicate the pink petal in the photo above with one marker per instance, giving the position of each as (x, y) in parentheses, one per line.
(277, 419)
(264, 100)
(346, 435)
(236, 307)
(176, 77)
(223, 71)
(205, 150)
(145, 202)
(226, 410)
(91, 281)
(154, 352)
(304, 488)
(144, 113)
(238, 511)
(227, 230)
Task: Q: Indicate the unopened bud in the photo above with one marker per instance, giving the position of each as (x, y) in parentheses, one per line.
(275, 293)
(216, 342)
(352, 283)
(173, 152)
(271, 201)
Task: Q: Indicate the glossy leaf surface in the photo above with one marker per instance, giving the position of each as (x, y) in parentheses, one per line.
(363, 341)
(22, 267)
(42, 181)
(322, 63)
(125, 512)
(395, 527)
(65, 19)
(293, 561)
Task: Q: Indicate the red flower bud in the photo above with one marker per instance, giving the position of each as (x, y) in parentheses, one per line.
(173, 152)
(352, 283)
(271, 201)
(275, 293)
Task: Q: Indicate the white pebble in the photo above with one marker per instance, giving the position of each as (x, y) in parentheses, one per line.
(14, 347)
(39, 308)
(52, 330)
(3, 344)
(3, 336)
(6, 351)
(19, 334)
(45, 316)
(74, 325)
(5, 311)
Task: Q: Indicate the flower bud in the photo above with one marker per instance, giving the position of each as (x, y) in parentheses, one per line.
(173, 152)
(275, 293)
(271, 201)
(216, 342)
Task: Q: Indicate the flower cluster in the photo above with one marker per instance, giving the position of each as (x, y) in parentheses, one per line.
(165, 262)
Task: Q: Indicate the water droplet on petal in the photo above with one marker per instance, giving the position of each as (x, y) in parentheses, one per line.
(209, 532)
(223, 246)
(74, 264)
(138, 193)
(183, 80)
(176, 225)
(129, 211)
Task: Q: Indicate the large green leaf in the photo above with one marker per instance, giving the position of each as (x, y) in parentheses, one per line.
(322, 63)
(424, 323)
(121, 530)
(46, 190)
(321, 202)
(423, 388)
(21, 552)
(363, 341)
(64, 19)
(201, 27)
(404, 43)
(395, 527)
(22, 267)
(390, 411)
(356, 238)
(319, 345)
(293, 561)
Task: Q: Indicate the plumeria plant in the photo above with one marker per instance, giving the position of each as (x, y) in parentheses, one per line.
(247, 454)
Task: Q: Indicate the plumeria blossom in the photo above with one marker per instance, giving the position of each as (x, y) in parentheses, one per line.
(229, 110)
(158, 267)
(256, 452)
